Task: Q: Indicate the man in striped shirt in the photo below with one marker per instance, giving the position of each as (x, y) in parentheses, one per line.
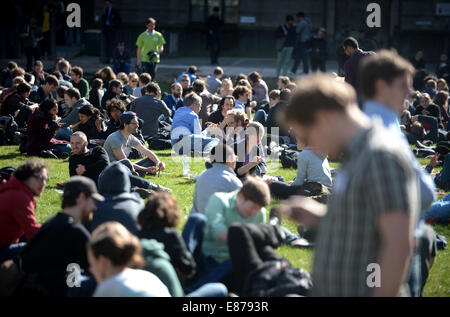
(365, 238)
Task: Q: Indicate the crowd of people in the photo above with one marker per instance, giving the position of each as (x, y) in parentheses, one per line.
(109, 126)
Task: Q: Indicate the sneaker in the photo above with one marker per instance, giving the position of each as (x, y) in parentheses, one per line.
(48, 154)
(163, 189)
(301, 243)
(274, 217)
(144, 193)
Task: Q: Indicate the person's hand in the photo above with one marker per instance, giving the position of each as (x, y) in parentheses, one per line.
(434, 161)
(253, 104)
(256, 160)
(80, 169)
(270, 179)
(131, 97)
(290, 182)
(152, 170)
(303, 210)
(162, 165)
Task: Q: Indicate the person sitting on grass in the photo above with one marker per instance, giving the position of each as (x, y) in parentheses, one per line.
(206, 235)
(77, 80)
(42, 126)
(312, 167)
(90, 123)
(118, 146)
(112, 251)
(17, 206)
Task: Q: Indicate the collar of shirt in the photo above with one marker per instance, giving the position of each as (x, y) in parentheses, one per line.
(388, 116)
(175, 99)
(222, 166)
(146, 32)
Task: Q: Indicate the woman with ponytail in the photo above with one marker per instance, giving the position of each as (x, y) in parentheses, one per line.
(112, 252)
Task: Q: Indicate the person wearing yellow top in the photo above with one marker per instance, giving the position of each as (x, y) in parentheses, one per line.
(150, 44)
(45, 45)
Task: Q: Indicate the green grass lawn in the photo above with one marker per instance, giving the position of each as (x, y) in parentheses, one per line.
(50, 202)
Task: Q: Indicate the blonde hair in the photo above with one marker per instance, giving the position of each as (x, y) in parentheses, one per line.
(112, 240)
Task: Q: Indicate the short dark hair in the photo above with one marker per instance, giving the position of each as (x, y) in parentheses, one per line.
(198, 86)
(150, 20)
(301, 14)
(153, 88)
(240, 90)
(116, 103)
(386, 65)
(28, 169)
(12, 65)
(77, 70)
(88, 110)
(254, 76)
(289, 18)
(48, 104)
(113, 83)
(23, 88)
(318, 93)
(191, 99)
(192, 69)
(285, 94)
(222, 102)
(38, 63)
(218, 70)
(51, 80)
(73, 93)
(61, 91)
(57, 74)
(430, 84)
(145, 78)
(256, 190)
(350, 41)
(160, 211)
(96, 83)
(220, 153)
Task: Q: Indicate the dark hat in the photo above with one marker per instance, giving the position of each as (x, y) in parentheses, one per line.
(127, 116)
(80, 184)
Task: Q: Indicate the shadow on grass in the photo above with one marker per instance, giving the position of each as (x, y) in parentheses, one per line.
(13, 156)
(186, 182)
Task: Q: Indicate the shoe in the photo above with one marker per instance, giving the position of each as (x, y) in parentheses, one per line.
(274, 217)
(420, 145)
(63, 155)
(144, 193)
(48, 154)
(60, 185)
(301, 243)
(163, 189)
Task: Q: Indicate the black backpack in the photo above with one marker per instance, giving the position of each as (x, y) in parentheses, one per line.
(288, 158)
(6, 172)
(8, 127)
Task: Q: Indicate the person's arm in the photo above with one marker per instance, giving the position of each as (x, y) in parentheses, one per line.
(152, 156)
(161, 49)
(101, 162)
(303, 210)
(25, 217)
(138, 56)
(165, 110)
(216, 228)
(247, 167)
(397, 244)
(302, 165)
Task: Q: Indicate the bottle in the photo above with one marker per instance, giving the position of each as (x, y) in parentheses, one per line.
(186, 167)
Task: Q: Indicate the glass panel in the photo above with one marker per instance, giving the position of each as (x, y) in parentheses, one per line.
(197, 10)
(231, 11)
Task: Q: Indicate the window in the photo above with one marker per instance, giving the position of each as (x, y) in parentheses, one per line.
(201, 9)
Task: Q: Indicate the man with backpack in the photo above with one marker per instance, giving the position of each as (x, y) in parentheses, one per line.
(303, 31)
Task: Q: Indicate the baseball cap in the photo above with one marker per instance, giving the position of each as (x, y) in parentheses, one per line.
(81, 184)
(127, 116)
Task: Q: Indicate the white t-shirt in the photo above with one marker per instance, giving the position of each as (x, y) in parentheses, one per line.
(132, 283)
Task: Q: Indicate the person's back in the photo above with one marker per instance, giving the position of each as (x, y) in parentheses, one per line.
(41, 129)
(220, 178)
(351, 67)
(120, 204)
(149, 108)
(159, 263)
(312, 167)
(132, 283)
(60, 242)
(213, 83)
(183, 123)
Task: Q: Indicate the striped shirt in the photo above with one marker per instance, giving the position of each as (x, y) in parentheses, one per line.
(376, 177)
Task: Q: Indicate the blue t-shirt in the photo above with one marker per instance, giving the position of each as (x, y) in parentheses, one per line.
(185, 122)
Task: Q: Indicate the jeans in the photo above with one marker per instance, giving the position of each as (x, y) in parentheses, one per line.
(283, 59)
(208, 270)
(195, 143)
(150, 68)
(11, 251)
(63, 134)
(62, 148)
(210, 290)
(300, 54)
(166, 119)
(125, 67)
(281, 190)
(261, 117)
(439, 210)
(318, 64)
(215, 44)
(136, 181)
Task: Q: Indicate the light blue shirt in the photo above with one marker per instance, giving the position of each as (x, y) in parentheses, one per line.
(185, 122)
(389, 118)
(239, 105)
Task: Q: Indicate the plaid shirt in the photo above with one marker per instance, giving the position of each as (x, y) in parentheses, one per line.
(376, 177)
